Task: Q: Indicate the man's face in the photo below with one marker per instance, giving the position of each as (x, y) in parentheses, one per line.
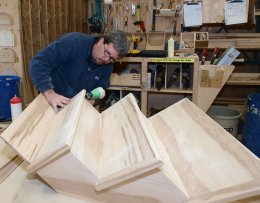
(104, 53)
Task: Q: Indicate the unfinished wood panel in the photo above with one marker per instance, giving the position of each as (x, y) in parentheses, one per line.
(6, 153)
(128, 153)
(78, 12)
(213, 11)
(58, 17)
(36, 27)
(73, 22)
(12, 33)
(65, 15)
(33, 189)
(198, 149)
(43, 21)
(59, 136)
(244, 79)
(6, 19)
(123, 127)
(210, 84)
(8, 160)
(52, 20)
(27, 49)
(18, 187)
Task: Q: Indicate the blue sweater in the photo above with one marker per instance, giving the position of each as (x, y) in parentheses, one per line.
(66, 66)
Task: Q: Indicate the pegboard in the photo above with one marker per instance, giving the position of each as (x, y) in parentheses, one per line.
(119, 12)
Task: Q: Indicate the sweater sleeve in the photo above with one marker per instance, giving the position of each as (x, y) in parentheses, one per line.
(105, 79)
(45, 62)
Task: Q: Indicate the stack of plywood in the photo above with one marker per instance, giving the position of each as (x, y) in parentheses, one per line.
(178, 155)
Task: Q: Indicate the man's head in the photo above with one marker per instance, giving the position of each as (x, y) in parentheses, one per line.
(110, 47)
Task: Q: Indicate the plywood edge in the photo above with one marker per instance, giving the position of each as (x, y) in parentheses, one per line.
(186, 119)
(38, 105)
(9, 167)
(242, 191)
(87, 138)
(127, 174)
(48, 158)
(146, 127)
(73, 113)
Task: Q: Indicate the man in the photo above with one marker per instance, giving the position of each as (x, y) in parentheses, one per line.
(74, 62)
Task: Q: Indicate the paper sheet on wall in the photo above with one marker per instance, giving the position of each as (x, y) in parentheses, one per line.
(192, 14)
(235, 12)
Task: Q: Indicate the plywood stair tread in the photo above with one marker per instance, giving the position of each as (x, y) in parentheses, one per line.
(208, 161)
(178, 155)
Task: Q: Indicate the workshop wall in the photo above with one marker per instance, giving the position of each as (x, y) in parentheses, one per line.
(42, 22)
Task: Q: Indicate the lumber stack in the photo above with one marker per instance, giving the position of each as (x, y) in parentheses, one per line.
(178, 155)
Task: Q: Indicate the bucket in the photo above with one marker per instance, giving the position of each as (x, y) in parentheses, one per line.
(251, 128)
(226, 117)
(9, 86)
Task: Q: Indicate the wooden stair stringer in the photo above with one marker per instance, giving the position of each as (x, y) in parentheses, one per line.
(205, 96)
(127, 146)
(211, 164)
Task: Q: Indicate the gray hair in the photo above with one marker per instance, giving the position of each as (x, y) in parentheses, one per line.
(120, 41)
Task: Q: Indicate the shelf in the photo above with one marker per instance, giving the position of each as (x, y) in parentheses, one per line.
(145, 62)
(176, 59)
(125, 88)
(170, 90)
(244, 79)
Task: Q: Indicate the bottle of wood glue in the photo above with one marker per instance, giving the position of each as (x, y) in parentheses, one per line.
(16, 107)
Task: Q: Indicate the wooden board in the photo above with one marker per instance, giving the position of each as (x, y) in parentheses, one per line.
(117, 156)
(133, 153)
(8, 159)
(6, 153)
(19, 187)
(209, 165)
(206, 95)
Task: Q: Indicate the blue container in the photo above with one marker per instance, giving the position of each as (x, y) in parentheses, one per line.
(9, 86)
(251, 129)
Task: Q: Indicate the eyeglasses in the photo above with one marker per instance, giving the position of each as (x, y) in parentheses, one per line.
(108, 55)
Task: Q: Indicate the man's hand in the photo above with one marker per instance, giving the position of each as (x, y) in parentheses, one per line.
(55, 100)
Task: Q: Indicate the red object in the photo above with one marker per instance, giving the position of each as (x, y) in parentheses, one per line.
(215, 55)
(204, 56)
(15, 100)
(142, 26)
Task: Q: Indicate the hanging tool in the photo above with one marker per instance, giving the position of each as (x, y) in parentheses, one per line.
(133, 9)
(154, 13)
(126, 23)
(174, 32)
(215, 55)
(117, 22)
(137, 17)
(95, 21)
(142, 27)
(135, 40)
(204, 56)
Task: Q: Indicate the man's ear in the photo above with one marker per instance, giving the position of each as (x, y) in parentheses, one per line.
(101, 41)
